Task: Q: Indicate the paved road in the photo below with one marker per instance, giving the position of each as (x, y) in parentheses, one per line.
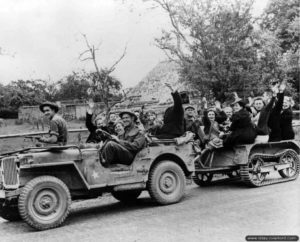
(224, 212)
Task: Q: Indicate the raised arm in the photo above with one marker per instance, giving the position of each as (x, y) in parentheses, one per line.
(88, 123)
(177, 102)
(89, 114)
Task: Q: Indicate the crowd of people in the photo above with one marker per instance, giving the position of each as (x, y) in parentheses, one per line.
(266, 118)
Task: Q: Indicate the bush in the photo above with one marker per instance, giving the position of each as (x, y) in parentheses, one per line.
(8, 113)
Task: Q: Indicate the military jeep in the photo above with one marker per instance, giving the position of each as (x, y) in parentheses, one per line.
(39, 184)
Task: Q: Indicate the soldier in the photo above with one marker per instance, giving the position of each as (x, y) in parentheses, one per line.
(123, 148)
(58, 133)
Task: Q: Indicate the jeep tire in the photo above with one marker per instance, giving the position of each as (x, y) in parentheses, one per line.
(44, 202)
(166, 183)
(127, 197)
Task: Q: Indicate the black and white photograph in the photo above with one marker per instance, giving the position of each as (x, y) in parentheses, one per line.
(149, 120)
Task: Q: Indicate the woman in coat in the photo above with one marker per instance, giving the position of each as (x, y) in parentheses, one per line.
(274, 121)
(242, 129)
(286, 118)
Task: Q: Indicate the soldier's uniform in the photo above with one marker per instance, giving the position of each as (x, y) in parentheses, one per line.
(123, 152)
(58, 127)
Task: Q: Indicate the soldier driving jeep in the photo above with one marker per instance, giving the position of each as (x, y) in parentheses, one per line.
(122, 149)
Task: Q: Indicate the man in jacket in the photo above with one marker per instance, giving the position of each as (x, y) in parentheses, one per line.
(122, 149)
(193, 125)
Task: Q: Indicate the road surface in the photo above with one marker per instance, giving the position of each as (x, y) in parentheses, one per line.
(223, 212)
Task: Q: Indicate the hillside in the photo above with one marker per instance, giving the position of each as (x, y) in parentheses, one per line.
(152, 86)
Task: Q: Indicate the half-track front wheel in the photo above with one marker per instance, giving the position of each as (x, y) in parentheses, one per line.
(290, 157)
(127, 197)
(44, 202)
(10, 212)
(203, 179)
(166, 182)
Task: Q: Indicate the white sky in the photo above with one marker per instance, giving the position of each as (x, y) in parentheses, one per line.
(42, 38)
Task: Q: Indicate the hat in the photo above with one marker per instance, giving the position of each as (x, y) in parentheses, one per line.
(189, 107)
(49, 104)
(184, 97)
(129, 113)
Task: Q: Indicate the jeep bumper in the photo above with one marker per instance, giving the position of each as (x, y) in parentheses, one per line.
(4, 194)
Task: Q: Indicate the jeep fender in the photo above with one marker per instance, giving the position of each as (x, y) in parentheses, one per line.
(68, 172)
(187, 166)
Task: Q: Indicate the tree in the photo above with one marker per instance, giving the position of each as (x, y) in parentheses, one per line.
(74, 86)
(281, 17)
(103, 84)
(29, 92)
(113, 84)
(216, 46)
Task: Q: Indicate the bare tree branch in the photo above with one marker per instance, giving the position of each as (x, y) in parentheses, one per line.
(84, 52)
(112, 68)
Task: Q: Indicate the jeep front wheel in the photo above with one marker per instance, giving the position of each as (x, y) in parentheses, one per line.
(44, 202)
(166, 182)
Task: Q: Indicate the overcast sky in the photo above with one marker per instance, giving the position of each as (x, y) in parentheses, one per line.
(42, 38)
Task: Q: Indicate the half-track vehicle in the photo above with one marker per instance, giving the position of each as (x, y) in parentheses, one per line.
(39, 184)
(255, 164)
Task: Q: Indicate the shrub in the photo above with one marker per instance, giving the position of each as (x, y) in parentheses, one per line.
(8, 113)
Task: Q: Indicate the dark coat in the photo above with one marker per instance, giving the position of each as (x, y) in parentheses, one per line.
(262, 125)
(93, 136)
(194, 126)
(242, 130)
(173, 120)
(286, 118)
(274, 119)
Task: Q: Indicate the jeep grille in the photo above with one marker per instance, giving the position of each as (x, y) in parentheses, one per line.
(10, 173)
